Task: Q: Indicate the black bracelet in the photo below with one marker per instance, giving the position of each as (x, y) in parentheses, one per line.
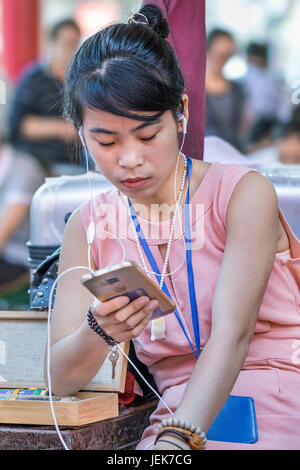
(96, 328)
(179, 434)
(169, 442)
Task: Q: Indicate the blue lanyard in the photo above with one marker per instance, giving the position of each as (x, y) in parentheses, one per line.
(188, 253)
(155, 269)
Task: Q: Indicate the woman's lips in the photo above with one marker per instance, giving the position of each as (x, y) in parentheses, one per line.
(135, 183)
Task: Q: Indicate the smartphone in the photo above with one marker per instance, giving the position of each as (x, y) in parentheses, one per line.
(127, 279)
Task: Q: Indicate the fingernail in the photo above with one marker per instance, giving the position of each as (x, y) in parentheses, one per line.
(124, 301)
(154, 304)
(143, 301)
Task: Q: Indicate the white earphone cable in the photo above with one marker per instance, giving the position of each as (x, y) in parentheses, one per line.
(48, 351)
(49, 358)
(90, 238)
(148, 271)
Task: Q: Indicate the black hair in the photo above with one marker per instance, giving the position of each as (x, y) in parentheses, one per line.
(265, 126)
(288, 129)
(215, 34)
(296, 114)
(258, 50)
(126, 68)
(66, 23)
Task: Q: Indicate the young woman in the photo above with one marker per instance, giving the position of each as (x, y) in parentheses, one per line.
(126, 95)
(227, 111)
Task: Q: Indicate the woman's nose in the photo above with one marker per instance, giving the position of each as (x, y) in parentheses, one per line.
(130, 158)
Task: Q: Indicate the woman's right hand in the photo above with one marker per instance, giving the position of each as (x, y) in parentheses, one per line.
(122, 319)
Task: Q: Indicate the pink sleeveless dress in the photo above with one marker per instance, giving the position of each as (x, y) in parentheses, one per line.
(271, 372)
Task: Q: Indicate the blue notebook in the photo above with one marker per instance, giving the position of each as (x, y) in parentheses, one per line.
(236, 422)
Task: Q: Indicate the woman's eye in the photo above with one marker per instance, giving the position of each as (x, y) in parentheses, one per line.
(106, 145)
(146, 139)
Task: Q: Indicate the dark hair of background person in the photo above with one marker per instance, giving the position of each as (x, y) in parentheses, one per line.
(262, 128)
(296, 114)
(66, 23)
(258, 54)
(125, 68)
(258, 50)
(215, 34)
(288, 129)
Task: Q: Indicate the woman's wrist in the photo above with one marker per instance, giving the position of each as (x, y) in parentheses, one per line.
(184, 416)
(94, 325)
(89, 336)
(188, 433)
(77, 356)
(171, 442)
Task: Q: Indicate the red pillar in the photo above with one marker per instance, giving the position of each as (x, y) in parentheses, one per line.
(21, 34)
(186, 20)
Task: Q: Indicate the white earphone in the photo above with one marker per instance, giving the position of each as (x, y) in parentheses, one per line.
(182, 118)
(80, 132)
(90, 239)
(184, 124)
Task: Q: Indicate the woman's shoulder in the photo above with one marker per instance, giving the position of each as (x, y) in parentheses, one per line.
(74, 225)
(255, 184)
(215, 183)
(215, 174)
(242, 192)
(74, 243)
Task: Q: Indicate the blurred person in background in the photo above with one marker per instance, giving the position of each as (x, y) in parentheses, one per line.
(289, 144)
(285, 149)
(262, 134)
(226, 111)
(16, 193)
(296, 113)
(35, 119)
(266, 93)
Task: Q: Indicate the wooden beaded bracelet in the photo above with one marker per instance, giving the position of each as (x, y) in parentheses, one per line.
(197, 438)
(195, 441)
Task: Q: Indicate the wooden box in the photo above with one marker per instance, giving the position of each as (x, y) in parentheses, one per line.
(23, 338)
(86, 408)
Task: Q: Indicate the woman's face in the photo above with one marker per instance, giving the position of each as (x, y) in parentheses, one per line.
(220, 51)
(138, 157)
(65, 44)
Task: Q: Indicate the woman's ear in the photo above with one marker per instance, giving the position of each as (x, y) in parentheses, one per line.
(182, 123)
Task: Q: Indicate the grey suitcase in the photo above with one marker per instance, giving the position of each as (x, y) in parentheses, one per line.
(58, 197)
(286, 181)
(51, 206)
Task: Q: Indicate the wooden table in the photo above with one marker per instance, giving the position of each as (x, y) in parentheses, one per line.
(120, 433)
(22, 346)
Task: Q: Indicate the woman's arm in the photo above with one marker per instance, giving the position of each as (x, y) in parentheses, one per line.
(251, 241)
(77, 352)
(11, 220)
(40, 127)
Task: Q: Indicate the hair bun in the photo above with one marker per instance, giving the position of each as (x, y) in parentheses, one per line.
(156, 20)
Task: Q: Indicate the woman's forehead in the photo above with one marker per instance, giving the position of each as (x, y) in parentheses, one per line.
(96, 117)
